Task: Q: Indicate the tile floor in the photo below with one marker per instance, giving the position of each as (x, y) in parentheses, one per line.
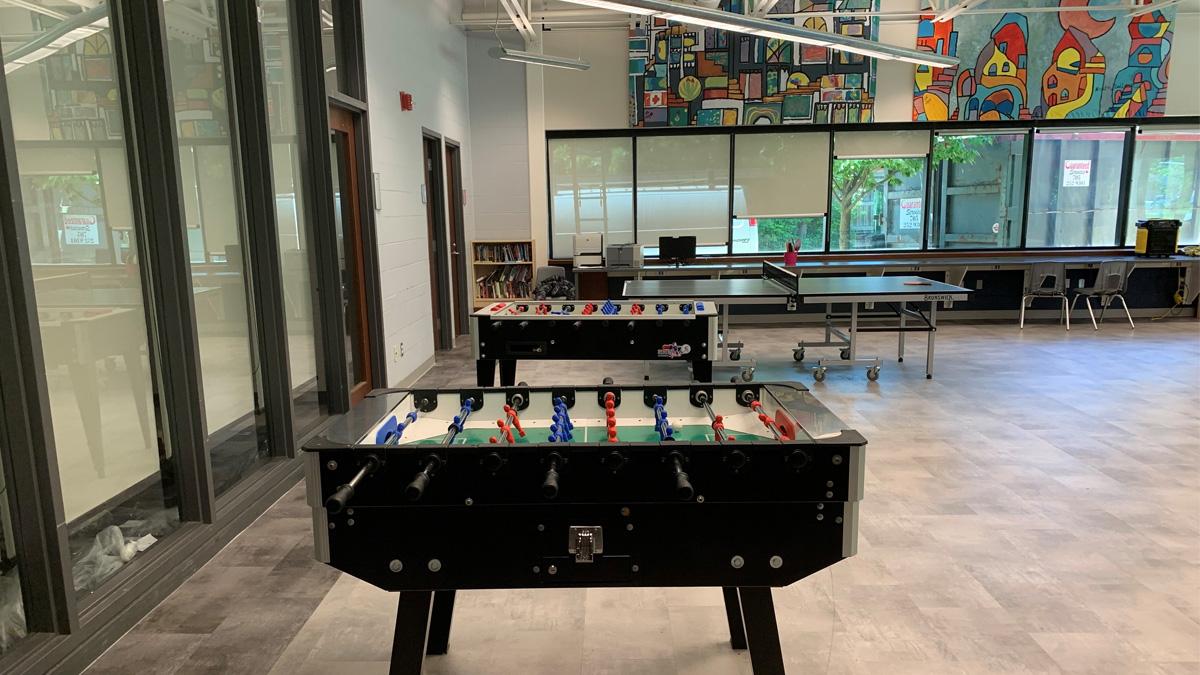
(1035, 508)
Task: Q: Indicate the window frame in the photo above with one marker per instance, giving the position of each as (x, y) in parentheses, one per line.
(1026, 127)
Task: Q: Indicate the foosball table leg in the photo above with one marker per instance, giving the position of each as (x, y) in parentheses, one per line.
(733, 612)
(412, 628)
(439, 623)
(485, 372)
(508, 372)
(762, 632)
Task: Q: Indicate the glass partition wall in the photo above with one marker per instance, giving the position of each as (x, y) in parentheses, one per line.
(292, 219)
(903, 187)
(233, 413)
(150, 290)
(119, 494)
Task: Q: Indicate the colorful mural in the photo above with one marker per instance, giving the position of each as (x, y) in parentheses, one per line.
(1068, 53)
(683, 75)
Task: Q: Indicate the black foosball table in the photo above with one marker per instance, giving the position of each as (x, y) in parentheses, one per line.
(744, 486)
(504, 333)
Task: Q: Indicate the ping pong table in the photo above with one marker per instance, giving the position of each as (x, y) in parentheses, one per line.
(903, 296)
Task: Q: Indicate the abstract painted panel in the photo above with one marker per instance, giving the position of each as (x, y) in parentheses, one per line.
(1076, 63)
(682, 75)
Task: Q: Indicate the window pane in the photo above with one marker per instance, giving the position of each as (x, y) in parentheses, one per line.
(1074, 188)
(978, 190)
(117, 492)
(333, 76)
(592, 183)
(12, 605)
(874, 144)
(1166, 181)
(772, 235)
(219, 284)
(683, 188)
(878, 203)
(291, 219)
(780, 175)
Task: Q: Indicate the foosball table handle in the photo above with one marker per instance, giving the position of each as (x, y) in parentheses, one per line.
(414, 490)
(550, 483)
(683, 486)
(338, 500)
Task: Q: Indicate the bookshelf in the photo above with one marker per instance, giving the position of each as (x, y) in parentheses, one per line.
(502, 270)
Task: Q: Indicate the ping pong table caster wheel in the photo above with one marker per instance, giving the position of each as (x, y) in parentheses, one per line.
(873, 373)
(798, 354)
(747, 374)
(845, 354)
(819, 374)
(735, 355)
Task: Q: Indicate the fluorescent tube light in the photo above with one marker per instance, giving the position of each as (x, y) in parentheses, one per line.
(738, 23)
(506, 54)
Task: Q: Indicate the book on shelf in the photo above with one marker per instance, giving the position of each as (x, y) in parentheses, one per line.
(509, 281)
(504, 252)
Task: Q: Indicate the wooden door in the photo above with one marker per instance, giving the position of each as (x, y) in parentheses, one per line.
(344, 155)
(458, 243)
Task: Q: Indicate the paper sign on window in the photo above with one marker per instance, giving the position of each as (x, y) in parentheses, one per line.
(81, 230)
(910, 214)
(1077, 172)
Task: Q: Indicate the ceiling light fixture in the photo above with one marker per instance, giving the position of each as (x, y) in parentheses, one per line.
(506, 54)
(768, 28)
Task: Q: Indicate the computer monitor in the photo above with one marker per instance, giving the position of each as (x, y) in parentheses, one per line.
(677, 249)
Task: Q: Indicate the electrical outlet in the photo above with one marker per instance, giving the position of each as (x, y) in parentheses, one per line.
(401, 350)
(396, 352)
(979, 284)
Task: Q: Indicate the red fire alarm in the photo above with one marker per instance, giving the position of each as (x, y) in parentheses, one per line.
(405, 101)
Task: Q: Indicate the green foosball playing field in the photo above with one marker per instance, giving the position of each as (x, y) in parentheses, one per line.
(638, 434)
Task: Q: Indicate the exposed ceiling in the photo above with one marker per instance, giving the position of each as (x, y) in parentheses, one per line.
(565, 13)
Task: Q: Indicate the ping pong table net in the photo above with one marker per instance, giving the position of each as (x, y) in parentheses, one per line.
(785, 278)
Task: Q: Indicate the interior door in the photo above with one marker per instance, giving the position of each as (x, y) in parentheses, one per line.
(435, 214)
(458, 244)
(344, 155)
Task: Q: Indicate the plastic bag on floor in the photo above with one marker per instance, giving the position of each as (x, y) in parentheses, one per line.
(12, 611)
(108, 553)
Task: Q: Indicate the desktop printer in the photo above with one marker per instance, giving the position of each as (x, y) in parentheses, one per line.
(589, 249)
(624, 255)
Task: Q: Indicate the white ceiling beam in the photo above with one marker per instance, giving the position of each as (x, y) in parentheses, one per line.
(516, 13)
(768, 28)
(954, 10)
(1153, 7)
(34, 7)
(763, 6)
